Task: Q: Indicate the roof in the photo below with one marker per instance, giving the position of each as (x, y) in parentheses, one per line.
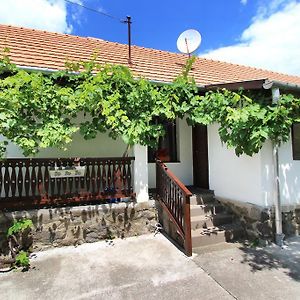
(41, 49)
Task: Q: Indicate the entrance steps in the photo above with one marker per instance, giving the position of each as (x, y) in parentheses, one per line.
(211, 222)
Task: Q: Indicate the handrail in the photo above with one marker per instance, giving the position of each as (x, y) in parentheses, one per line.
(175, 199)
(177, 181)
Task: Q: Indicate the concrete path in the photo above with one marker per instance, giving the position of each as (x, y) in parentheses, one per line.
(149, 267)
(144, 267)
(255, 273)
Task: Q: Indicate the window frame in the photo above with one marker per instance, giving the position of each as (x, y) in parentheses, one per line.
(295, 143)
(175, 144)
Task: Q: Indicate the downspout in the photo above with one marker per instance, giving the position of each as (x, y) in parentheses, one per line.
(279, 236)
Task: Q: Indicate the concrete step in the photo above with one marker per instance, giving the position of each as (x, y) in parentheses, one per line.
(214, 235)
(207, 210)
(209, 236)
(198, 222)
(199, 210)
(193, 200)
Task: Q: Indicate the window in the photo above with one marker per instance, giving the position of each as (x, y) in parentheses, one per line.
(167, 145)
(296, 141)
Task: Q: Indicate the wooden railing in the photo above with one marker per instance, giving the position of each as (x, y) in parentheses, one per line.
(175, 200)
(30, 182)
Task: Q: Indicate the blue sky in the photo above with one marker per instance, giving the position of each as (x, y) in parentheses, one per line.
(260, 33)
(158, 23)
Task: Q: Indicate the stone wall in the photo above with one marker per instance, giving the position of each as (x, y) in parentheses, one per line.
(257, 221)
(291, 221)
(56, 227)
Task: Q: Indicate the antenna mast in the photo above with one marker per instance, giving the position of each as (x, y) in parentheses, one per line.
(129, 22)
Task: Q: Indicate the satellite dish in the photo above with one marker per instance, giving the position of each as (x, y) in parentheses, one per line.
(189, 41)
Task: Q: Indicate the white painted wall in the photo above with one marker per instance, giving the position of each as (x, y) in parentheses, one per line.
(239, 178)
(267, 175)
(101, 146)
(141, 173)
(184, 168)
(289, 175)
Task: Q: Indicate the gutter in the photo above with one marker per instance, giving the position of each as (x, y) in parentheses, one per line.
(271, 84)
(279, 236)
(48, 71)
(275, 86)
(37, 69)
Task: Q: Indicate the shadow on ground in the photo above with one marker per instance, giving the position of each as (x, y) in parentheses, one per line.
(274, 257)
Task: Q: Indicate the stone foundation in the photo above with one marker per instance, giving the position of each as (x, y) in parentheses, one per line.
(291, 220)
(258, 221)
(66, 226)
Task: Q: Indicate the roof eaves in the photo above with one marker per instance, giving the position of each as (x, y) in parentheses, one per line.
(247, 85)
(47, 70)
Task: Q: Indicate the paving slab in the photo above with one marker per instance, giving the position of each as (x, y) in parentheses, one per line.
(144, 267)
(254, 273)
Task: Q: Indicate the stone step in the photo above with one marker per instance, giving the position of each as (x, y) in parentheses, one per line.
(214, 235)
(198, 222)
(206, 210)
(221, 219)
(193, 200)
(233, 231)
(199, 210)
(205, 198)
(209, 236)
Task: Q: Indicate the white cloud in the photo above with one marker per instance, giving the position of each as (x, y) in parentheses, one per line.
(271, 42)
(39, 14)
(244, 2)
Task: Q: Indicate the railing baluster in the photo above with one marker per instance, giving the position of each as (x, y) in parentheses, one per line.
(104, 176)
(40, 179)
(1, 178)
(109, 174)
(13, 179)
(88, 177)
(29, 179)
(6, 181)
(98, 178)
(129, 177)
(46, 180)
(33, 179)
(93, 177)
(82, 179)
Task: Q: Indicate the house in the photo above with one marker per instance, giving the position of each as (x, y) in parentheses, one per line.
(196, 155)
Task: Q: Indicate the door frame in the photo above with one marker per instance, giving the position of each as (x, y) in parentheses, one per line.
(200, 156)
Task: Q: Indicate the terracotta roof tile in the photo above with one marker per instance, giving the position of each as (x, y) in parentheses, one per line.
(42, 49)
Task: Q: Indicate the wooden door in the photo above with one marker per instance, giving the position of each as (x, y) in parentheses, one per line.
(200, 156)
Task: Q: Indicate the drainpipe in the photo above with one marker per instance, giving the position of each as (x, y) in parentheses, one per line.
(279, 236)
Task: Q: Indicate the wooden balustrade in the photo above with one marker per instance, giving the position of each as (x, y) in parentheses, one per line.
(30, 182)
(175, 200)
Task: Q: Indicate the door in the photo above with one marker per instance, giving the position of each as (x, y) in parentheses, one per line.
(200, 156)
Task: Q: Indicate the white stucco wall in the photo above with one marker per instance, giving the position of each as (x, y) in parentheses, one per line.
(101, 146)
(289, 175)
(184, 168)
(239, 178)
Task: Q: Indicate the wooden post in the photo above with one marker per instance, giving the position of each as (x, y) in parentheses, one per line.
(187, 231)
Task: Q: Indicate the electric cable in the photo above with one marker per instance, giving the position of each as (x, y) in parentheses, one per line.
(95, 10)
